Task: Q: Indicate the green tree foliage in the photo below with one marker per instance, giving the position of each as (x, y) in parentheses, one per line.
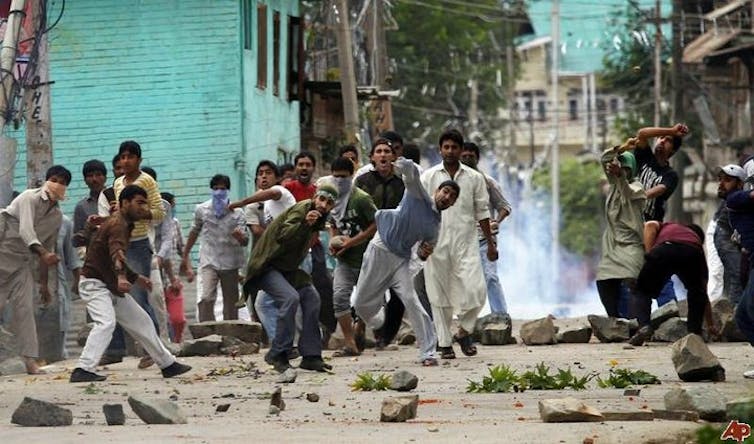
(581, 203)
(437, 49)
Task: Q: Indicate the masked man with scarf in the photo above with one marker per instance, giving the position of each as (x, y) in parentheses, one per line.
(622, 248)
(28, 228)
(351, 227)
(222, 233)
(274, 268)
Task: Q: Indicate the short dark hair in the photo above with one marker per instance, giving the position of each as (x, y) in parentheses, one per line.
(131, 191)
(116, 159)
(348, 149)
(471, 146)
(94, 166)
(169, 197)
(392, 136)
(698, 231)
(677, 142)
(218, 179)
(451, 134)
(130, 146)
(150, 171)
(303, 154)
(286, 167)
(452, 184)
(60, 171)
(342, 164)
(411, 151)
(270, 164)
(381, 141)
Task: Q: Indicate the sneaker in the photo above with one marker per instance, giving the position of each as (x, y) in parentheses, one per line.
(81, 375)
(175, 369)
(643, 335)
(749, 374)
(314, 363)
(293, 354)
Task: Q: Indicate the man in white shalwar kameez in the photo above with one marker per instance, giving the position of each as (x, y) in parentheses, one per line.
(454, 277)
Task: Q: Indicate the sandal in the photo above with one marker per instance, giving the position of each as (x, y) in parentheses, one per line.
(446, 352)
(359, 334)
(345, 352)
(430, 362)
(466, 343)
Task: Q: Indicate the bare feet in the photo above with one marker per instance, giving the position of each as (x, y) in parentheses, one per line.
(32, 367)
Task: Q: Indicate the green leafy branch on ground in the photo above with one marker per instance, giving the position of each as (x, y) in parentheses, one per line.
(501, 379)
(367, 382)
(504, 379)
(623, 377)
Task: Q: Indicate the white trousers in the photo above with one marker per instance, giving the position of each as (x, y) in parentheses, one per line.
(106, 309)
(382, 270)
(443, 317)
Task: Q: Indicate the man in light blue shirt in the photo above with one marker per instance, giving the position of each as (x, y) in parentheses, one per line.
(386, 261)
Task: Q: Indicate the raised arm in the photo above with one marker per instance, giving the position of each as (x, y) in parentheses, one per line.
(259, 196)
(644, 134)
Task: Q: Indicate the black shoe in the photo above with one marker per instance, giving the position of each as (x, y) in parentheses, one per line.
(110, 359)
(81, 375)
(643, 335)
(175, 369)
(280, 361)
(314, 363)
(293, 354)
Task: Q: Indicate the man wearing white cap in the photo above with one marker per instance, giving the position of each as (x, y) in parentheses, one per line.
(730, 178)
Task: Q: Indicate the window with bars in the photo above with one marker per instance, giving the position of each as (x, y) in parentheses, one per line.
(261, 46)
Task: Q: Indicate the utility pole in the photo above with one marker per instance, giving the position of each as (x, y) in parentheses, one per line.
(555, 163)
(678, 161)
(37, 106)
(347, 74)
(7, 62)
(594, 111)
(512, 115)
(473, 107)
(588, 133)
(657, 66)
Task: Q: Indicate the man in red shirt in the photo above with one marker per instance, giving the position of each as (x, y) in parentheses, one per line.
(672, 248)
(302, 188)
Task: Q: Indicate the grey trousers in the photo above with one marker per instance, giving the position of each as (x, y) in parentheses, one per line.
(17, 290)
(228, 280)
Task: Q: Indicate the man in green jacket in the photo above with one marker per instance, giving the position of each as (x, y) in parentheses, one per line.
(274, 268)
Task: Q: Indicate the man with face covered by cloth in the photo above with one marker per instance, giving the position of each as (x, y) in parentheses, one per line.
(274, 268)
(29, 227)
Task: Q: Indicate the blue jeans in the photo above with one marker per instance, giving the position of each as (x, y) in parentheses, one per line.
(745, 308)
(287, 300)
(494, 289)
(267, 313)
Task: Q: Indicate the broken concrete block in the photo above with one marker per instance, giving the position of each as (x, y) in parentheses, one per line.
(234, 346)
(403, 381)
(157, 411)
(694, 361)
(246, 331)
(676, 415)
(575, 335)
(538, 332)
(662, 314)
(707, 401)
(567, 410)
(723, 314)
(671, 330)
(399, 408)
(12, 366)
(277, 399)
(288, 376)
(629, 415)
(204, 346)
(490, 319)
(609, 329)
(312, 397)
(741, 409)
(114, 414)
(36, 413)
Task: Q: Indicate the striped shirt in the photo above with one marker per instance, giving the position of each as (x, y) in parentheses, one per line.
(141, 228)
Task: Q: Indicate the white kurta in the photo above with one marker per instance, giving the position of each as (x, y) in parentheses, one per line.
(453, 273)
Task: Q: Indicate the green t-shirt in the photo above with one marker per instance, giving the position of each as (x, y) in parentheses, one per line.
(358, 216)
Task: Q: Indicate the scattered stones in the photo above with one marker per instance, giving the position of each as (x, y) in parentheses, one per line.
(493, 329)
(609, 329)
(406, 335)
(538, 332)
(694, 361)
(36, 413)
(277, 400)
(723, 314)
(273, 410)
(741, 409)
(204, 346)
(312, 397)
(662, 314)
(221, 408)
(234, 346)
(707, 401)
(568, 410)
(575, 335)
(399, 408)
(403, 381)
(114, 414)
(12, 366)
(246, 331)
(157, 411)
(671, 330)
(287, 377)
(83, 334)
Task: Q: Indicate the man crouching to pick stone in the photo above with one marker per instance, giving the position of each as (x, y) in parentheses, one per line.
(104, 286)
(274, 268)
(386, 261)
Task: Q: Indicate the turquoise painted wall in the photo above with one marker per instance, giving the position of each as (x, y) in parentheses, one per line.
(172, 75)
